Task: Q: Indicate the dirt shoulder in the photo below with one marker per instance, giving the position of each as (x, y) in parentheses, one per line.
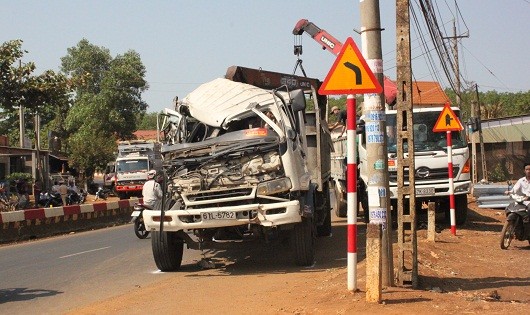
(466, 273)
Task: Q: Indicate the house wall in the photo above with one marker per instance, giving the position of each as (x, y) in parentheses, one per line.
(504, 160)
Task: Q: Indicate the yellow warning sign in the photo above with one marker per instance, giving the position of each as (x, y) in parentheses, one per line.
(350, 74)
(447, 121)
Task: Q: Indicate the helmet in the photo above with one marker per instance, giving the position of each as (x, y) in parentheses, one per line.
(151, 174)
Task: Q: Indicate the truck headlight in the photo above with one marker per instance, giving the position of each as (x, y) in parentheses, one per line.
(461, 188)
(274, 186)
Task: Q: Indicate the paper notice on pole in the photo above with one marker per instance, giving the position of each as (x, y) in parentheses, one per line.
(373, 196)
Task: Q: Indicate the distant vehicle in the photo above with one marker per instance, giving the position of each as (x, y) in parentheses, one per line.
(135, 159)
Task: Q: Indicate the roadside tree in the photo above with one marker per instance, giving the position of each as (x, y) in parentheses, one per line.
(106, 103)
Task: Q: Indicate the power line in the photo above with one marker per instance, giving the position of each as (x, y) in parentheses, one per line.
(485, 67)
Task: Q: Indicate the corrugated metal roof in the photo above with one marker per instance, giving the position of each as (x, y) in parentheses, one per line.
(512, 129)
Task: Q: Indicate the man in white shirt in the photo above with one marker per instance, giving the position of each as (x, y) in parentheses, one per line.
(522, 187)
(151, 192)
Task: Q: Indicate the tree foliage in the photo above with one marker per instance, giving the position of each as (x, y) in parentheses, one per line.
(147, 121)
(46, 94)
(107, 102)
(493, 104)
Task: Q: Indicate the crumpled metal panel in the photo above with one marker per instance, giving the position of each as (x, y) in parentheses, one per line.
(216, 102)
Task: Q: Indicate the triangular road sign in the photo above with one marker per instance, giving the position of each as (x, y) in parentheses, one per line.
(447, 121)
(350, 74)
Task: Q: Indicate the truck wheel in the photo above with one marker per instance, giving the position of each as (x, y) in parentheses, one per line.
(122, 196)
(340, 206)
(323, 201)
(303, 242)
(325, 228)
(168, 249)
(363, 201)
(460, 209)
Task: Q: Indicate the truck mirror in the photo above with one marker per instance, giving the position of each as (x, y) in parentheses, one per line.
(291, 134)
(360, 127)
(297, 100)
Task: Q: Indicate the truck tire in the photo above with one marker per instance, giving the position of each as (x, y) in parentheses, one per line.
(303, 242)
(323, 205)
(460, 209)
(168, 249)
(325, 228)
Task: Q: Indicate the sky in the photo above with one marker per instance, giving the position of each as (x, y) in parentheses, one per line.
(183, 44)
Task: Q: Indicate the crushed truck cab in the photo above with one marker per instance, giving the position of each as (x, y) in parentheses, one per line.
(242, 162)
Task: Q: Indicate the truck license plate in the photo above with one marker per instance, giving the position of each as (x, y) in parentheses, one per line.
(221, 215)
(135, 214)
(424, 191)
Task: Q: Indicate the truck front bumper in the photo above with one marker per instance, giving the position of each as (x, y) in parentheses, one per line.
(270, 214)
(440, 190)
(129, 188)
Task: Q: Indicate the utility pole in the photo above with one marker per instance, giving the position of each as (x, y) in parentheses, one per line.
(473, 142)
(456, 66)
(377, 158)
(22, 123)
(481, 138)
(407, 239)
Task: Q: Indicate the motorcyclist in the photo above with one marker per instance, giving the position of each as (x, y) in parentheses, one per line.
(151, 191)
(522, 186)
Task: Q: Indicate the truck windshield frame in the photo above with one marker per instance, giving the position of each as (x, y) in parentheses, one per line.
(134, 165)
(424, 138)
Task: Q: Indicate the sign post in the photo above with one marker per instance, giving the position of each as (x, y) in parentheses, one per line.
(350, 75)
(448, 121)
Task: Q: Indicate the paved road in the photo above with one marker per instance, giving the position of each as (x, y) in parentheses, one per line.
(55, 275)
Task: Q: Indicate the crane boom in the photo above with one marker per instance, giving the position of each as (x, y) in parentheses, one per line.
(333, 45)
(322, 37)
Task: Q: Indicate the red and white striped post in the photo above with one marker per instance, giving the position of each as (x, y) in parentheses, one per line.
(451, 184)
(351, 189)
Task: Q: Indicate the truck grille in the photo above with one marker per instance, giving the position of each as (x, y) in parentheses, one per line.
(213, 195)
(425, 173)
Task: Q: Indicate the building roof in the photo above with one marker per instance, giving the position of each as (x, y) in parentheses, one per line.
(428, 93)
(509, 129)
(145, 134)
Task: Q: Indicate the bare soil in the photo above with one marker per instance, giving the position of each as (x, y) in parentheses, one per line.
(466, 273)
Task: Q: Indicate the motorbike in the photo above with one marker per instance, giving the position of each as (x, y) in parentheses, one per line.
(138, 220)
(50, 199)
(102, 193)
(75, 198)
(517, 225)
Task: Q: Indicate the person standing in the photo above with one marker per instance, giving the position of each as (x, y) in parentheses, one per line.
(63, 191)
(37, 188)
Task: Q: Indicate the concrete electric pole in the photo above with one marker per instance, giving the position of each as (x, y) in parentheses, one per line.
(407, 238)
(377, 158)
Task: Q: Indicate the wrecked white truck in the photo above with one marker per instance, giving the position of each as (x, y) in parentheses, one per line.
(235, 172)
